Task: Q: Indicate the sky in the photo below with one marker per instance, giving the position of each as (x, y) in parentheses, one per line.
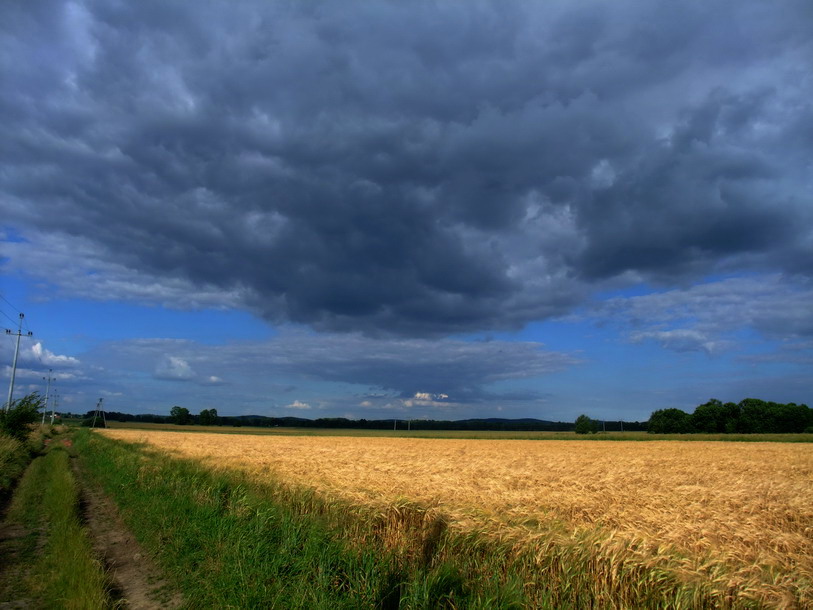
(423, 209)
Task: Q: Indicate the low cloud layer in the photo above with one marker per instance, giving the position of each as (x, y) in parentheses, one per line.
(404, 169)
(415, 369)
(707, 317)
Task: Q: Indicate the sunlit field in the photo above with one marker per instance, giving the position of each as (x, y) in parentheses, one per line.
(740, 514)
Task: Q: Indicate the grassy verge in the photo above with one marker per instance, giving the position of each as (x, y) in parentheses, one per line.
(55, 561)
(14, 457)
(228, 541)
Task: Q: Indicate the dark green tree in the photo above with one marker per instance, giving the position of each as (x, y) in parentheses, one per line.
(585, 425)
(794, 418)
(711, 417)
(20, 415)
(179, 415)
(208, 417)
(759, 416)
(669, 421)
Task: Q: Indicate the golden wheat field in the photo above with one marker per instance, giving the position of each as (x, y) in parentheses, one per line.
(742, 511)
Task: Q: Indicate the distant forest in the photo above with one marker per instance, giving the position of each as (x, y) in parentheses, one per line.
(749, 416)
(182, 416)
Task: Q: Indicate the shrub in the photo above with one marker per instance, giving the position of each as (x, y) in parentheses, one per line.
(20, 415)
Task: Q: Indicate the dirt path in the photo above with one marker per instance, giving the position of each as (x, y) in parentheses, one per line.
(138, 582)
(12, 565)
(18, 544)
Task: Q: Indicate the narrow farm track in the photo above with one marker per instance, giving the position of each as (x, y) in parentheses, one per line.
(138, 582)
(11, 566)
(12, 544)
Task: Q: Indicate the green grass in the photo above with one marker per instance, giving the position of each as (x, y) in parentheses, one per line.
(226, 540)
(59, 569)
(468, 434)
(14, 457)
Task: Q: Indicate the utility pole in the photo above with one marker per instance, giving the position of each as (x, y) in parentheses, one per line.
(47, 390)
(53, 408)
(97, 413)
(14, 363)
(55, 403)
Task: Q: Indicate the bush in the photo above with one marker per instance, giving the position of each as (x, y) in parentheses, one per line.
(21, 414)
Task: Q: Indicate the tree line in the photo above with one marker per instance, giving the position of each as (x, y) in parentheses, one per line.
(209, 417)
(749, 416)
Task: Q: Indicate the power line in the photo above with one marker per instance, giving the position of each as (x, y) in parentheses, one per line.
(12, 320)
(10, 304)
(22, 324)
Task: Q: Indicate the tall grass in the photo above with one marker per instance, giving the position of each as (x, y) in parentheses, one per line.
(63, 572)
(13, 460)
(228, 540)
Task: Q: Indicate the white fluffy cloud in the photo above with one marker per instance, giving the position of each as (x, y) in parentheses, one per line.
(174, 368)
(48, 358)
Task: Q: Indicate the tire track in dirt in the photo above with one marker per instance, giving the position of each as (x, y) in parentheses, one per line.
(12, 568)
(13, 555)
(138, 582)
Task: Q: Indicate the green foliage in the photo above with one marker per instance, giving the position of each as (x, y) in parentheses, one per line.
(585, 425)
(669, 421)
(750, 416)
(180, 415)
(14, 458)
(208, 417)
(21, 414)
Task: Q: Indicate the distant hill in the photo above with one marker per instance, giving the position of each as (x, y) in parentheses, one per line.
(487, 423)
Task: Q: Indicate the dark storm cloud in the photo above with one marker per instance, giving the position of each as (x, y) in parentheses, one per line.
(409, 168)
